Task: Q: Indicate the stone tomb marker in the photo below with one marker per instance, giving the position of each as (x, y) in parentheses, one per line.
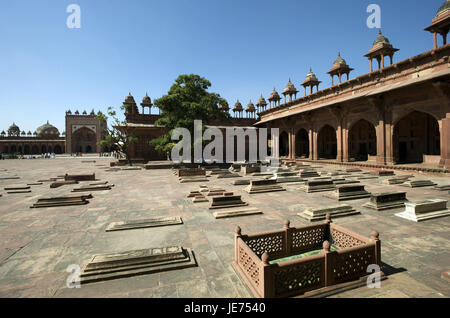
(227, 201)
(93, 188)
(17, 189)
(418, 183)
(236, 213)
(318, 186)
(241, 182)
(58, 184)
(424, 210)
(442, 187)
(80, 177)
(386, 200)
(349, 192)
(146, 223)
(104, 267)
(62, 201)
(319, 214)
(262, 186)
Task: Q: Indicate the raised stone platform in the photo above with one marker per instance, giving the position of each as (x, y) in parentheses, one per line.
(80, 177)
(193, 179)
(318, 214)
(139, 224)
(396, 180)
(348, 192)
(58, 184)
(241, 182)
(442, 187)
(227, 201)
(386, 200)
(62, 201)
(418, 183)
(309, 174)
(139, 262)
(383, 173)
(236, 213)
(263, 186)
(424, 210)
(93, 188)
(318, 186)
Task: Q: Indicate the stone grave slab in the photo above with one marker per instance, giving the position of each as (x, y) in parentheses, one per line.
(17, 187)
(104, 267)
(18, 191)
(241, 182)
(35, 184)
(308, 174)
(396, 180)
(93, 188)
(131, 168)
(62, 201)
(80, 177)
(58, 184)
(247, 170)
(424, 210)
(229, 176)
(199, 199)
(442, 187)
(263, 186)
(193, 179)
(386, 201)
(9, 178)
(418, 183)
(349, 192)
(215, 192)
(319, 214)
(99, 183)
(353, 170)
(383, 173)
(193, 194)
(145, 223)
(194, 172)
(345, 181)
(228, 201)
(318, 186)
(236, 213)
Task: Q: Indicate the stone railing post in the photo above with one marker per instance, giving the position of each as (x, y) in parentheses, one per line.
(267, 283)
(328, 226)
(237, 235)
(328, 266)
(287, 237)
(376, 239)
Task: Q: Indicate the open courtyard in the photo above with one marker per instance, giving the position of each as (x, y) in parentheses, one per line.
(38, 245)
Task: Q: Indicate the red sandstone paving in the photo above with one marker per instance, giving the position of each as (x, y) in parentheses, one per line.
(37, 245)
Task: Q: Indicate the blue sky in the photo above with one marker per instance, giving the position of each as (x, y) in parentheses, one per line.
(244, 48)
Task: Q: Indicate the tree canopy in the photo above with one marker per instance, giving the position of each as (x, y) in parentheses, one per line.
(186, 101)
(117, 139)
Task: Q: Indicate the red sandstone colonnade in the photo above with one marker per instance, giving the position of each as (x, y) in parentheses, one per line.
(385, 135)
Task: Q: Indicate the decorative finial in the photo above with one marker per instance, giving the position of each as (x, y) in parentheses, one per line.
(287, 223)
(265, 258)
(326, 246)
(375, 235)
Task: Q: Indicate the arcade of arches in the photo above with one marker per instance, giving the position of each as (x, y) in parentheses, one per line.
(415, 138)
(33, 147)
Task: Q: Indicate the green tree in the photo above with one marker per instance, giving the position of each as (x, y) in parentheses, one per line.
(117, 138)
(186, 101)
